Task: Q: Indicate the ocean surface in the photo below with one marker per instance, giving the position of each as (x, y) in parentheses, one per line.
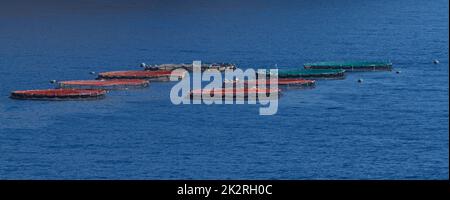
(390, 126)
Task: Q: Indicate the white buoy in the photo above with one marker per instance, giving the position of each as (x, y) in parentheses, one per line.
(436, 61)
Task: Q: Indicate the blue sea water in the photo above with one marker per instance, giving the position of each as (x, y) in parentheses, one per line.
(391, 126)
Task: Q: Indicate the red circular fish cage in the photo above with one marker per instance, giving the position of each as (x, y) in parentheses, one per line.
(104, 84)
(281, 82)
(285, 82)
(159, 75)
(234, 92)
(298, 82)
(58, 94)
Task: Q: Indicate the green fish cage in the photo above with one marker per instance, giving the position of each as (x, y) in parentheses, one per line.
(352, 65)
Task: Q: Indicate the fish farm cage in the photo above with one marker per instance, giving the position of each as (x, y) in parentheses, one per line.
(159, 75)
(112, 84)
(310, 73)
(59, 94)
(351, 66)
(280, 82)
(244, 93)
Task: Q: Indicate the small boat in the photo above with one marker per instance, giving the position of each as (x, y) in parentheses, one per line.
(222, 93)
(351, 66)
(310, 73)
(59, 94)
(157, 75)
(112, 84)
